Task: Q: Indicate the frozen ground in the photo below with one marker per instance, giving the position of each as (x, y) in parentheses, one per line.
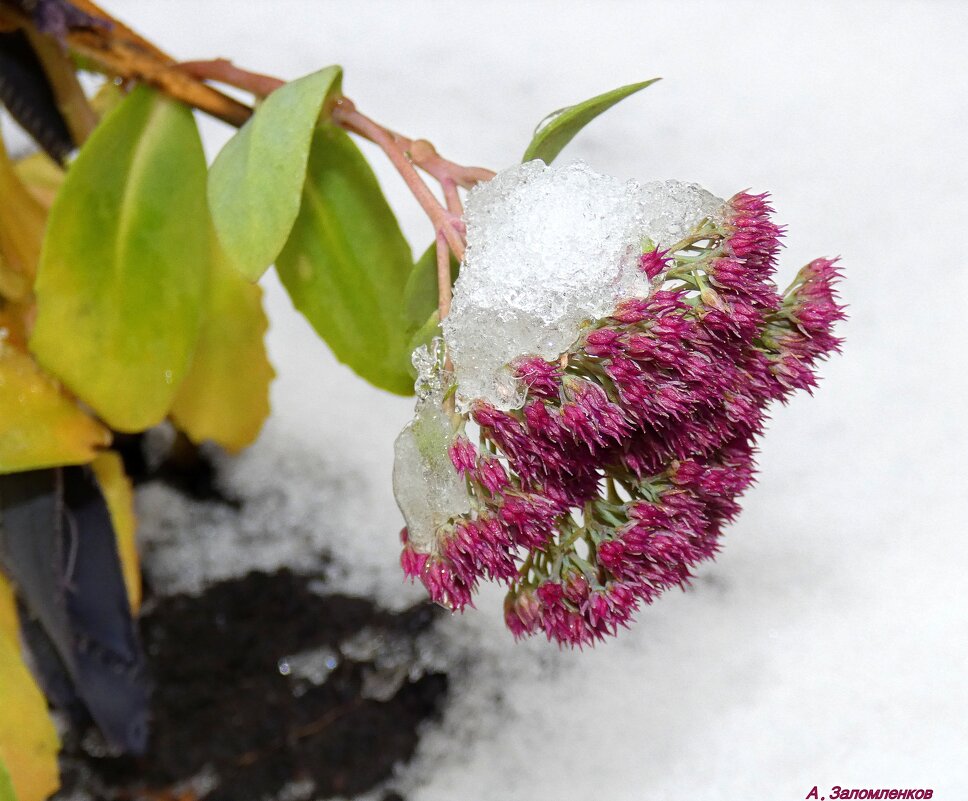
(829, 642)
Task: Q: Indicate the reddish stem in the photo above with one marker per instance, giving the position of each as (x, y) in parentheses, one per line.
(445, 222)
(403, 153)
(426, 157)
(221, 70)
(444, 293)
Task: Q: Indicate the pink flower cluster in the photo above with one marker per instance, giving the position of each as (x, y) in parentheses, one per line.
(618, 474)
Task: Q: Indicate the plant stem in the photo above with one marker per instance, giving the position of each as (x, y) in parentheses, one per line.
(444, 292)
(121, 52)
(445, 222)
(420, 151)
(224, 71)
(403, 153)
(426, 157)
(452, 196)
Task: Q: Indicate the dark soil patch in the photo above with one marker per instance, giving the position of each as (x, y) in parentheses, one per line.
(226, 704)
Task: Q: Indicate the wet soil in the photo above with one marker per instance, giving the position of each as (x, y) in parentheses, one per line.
(233, 722)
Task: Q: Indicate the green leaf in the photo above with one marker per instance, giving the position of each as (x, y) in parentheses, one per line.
(420, 318)
(256, 182)
(346, 263)
(559, 128)
(125, 263)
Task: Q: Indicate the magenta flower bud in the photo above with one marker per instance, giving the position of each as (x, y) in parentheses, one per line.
(576, 588)
(612, 556)
(622, 602)
(541, 377)
(550, 593)
(491, 475)
(599, 610)
(687, 472)
(757, 204)
(666, 301)
(522, 612)
(631, 311)
(793, 373)
(463, 455)
(603, 342)
(654, 262)
(412, 562)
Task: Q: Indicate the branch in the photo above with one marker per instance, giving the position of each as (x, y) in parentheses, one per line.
(221, 70)
(445, 222)
(403, 152)
(118, 51)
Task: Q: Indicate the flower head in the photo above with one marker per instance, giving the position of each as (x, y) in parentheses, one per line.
(613, 478)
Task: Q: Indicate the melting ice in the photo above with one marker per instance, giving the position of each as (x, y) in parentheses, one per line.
(428, 490)
(548, 249)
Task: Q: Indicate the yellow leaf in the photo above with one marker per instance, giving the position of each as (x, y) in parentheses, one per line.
(13, 283)
(28, 739)
(41, 175)
(225, 397)
(116, 488)
(14, 322)
(8, 612)
(22, 221)
(40, 426)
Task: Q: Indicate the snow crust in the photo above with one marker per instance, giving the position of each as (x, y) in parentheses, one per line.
(550, 248)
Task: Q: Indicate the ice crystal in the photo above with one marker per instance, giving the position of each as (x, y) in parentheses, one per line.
(549, 250)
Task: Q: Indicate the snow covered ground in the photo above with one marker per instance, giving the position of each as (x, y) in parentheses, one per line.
(828, 645)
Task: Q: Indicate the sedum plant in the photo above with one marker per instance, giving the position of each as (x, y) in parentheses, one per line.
(589, 391)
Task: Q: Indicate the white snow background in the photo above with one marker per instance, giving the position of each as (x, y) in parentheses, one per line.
(828, 644)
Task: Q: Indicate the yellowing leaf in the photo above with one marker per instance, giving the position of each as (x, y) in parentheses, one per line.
(124, 267)
(14, 322)
(21, 232)
(116, 488)
(107, 98)
(28, 739)
(39, 426)
(225, 397)
(41, 175)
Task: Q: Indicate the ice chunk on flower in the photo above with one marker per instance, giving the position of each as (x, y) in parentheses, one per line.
(549, 249)
(429, 491)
